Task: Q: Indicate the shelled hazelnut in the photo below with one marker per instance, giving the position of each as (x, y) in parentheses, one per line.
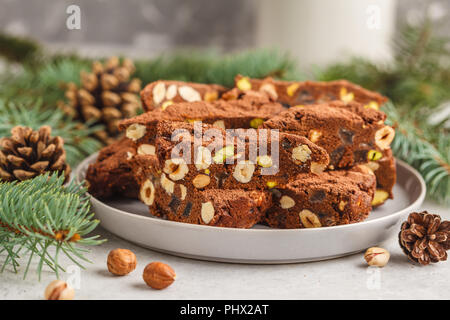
(121, 262)
(158, 275)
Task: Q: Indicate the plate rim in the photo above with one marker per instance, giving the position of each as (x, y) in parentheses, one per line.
(163, 222)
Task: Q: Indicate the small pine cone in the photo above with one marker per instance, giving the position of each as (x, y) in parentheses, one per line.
(107, 94)
(424, 238)
(27, 154)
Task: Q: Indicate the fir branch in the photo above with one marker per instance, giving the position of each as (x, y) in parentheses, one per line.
(19, 49)
(42, 213)
(209, 68)
(411, 145)
(78, 142)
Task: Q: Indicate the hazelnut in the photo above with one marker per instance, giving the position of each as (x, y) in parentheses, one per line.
(176, 168)
(121, 262)
(189, 94)
(167, 185)
(286, 202)
(183, 191)
(171, 92)
(317, 168)
(147, 192)
(379, 197)
(243, 171)
(378, 257)
(159, 92)
(158, 275)
(301, 153)
(309, 219)
(384, 137)
(342, 205)
(202, 158)
(270, 89)
(59, 290)
(146, 149)
(207, 212)
(201, 181)
(135, 131)
(244, 84)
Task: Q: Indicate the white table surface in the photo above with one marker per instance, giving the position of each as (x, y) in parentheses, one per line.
(343, 278)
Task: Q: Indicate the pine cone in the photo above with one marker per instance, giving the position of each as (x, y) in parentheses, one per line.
(106, 97)
(27, 154)
(424, 238)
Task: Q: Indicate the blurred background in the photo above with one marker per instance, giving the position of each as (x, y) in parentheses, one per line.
(314, 32)
(400, 48)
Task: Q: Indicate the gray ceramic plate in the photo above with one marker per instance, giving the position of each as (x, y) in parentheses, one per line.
(130, 220)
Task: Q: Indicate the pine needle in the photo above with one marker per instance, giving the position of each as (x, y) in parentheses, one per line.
(38, 214)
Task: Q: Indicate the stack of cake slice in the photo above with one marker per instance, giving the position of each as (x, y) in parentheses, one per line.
(322, 158)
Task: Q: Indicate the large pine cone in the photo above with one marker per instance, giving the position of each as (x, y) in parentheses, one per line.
(424, 238)
(106, 97)
(27, 154)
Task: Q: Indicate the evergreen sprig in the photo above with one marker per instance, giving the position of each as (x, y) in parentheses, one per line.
(41, 215)
(418, 83)
(78, 142)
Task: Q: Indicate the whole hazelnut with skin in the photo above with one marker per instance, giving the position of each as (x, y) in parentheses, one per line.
(59, 290)
(378, 257)
(121, 262)
(158, 275)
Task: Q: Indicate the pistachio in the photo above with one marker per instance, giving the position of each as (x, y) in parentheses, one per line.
(290, 90)
(346, 96)
(224, 153)
(166, 104)
(372, 105)
(256, 122)
(264, 161)
(271, 184)
(374, 155)
(244, 84)
(379, 197)
(378, 257)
